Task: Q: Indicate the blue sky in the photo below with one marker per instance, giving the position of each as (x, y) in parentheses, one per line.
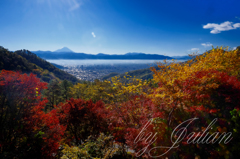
(170, 27)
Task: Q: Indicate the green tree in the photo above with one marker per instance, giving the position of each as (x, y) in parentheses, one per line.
(53, 94)
(65, 87)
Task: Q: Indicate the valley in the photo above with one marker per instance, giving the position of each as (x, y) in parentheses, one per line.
(92, 72)
(89, 70)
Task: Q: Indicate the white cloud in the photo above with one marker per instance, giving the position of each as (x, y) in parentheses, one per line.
(236, 25)
(206, 44)
(225, 26)
(195, 49)
(234, 48)
(93, 34)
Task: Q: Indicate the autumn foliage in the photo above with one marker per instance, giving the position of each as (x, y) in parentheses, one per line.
(74, 121)
(26, 131)
(82, 119)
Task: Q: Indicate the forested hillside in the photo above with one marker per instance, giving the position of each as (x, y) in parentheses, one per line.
(144, 74)
(27, 62)
(188, 110)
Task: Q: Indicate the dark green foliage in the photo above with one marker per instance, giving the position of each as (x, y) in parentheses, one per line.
(109, 76)
(33, 58)
(57, 92)
(13, 61)
(27, 62)
(65, 89)
(53, 94)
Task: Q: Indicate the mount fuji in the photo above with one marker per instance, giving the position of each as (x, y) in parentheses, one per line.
(64, 49)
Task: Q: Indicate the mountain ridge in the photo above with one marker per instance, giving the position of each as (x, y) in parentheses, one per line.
(28, 62)
(62, 54)
(73, 55)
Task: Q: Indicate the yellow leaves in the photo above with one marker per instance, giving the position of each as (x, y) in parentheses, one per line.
(73, 152)
(212, 85)
(124, 91)
(36, 91)
(102, 147)
(111, 95)
(160, 95)
(220, 59)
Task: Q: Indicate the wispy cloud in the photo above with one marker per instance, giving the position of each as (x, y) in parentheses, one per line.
(237, 18)
(234, 48)
(195, 49)
(93, 34)
(206, 44)
(225, 26)
(68, 5)
(74, 5)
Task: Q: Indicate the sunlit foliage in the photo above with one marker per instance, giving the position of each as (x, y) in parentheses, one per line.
(74, 119)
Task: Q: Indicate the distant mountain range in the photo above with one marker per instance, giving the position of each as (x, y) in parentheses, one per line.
(66, 53)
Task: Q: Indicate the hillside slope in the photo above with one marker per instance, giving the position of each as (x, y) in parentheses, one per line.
(27, 62)
(143, 74)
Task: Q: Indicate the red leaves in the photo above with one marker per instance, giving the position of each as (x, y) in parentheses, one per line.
(22, 108)
(49, 124)
(213, 111)
(82, 119)
(20, 86)
(204, 87)
(205, 93)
